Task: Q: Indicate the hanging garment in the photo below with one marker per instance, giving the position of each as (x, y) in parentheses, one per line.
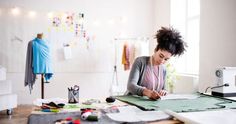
(125, 57)
(141, 48)
(29, 75)
(132, 53)
(42, 63)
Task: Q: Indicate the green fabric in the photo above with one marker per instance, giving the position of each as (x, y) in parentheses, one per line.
(202, 103)
(69, 106)
(76, 106)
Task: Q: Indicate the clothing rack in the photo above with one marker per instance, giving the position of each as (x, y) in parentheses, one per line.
(115, 75)
(146, 39)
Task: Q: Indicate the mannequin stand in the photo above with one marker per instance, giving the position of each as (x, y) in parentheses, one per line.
(42, 87)
(114, 84)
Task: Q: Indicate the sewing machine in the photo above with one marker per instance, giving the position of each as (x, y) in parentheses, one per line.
(226, 82)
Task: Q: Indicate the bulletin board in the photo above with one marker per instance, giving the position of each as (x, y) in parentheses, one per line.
(61, 29)
(201, 103)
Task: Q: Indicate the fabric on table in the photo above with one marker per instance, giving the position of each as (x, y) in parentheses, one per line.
(200, 103)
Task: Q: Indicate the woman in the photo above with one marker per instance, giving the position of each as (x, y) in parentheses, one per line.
(148, 74)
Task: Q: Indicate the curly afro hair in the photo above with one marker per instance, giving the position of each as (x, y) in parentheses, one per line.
(170, 40)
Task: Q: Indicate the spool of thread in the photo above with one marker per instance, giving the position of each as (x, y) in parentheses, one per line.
(76, 121)
(84, 115)
(92, 118)
(87, 115)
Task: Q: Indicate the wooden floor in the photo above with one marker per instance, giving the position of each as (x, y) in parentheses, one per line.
(19, 116)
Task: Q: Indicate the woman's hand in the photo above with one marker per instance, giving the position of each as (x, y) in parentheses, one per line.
(151, 94)
(162, 92)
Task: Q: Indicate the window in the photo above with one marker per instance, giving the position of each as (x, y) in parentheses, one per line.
(185, 17)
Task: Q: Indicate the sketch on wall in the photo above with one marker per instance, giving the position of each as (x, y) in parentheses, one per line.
(68, 22)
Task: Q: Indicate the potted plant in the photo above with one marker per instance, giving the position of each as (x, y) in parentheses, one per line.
(171, 77)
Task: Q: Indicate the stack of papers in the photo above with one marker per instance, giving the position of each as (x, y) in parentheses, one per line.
(134, 114)
(179, 96)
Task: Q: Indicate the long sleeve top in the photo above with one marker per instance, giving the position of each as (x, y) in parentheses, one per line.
(137, 74)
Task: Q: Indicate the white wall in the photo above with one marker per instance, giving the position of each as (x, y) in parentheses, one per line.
(90, 68)
(161, 18)
(217, 39)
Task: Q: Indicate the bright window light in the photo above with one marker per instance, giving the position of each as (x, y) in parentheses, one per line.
(185, 17)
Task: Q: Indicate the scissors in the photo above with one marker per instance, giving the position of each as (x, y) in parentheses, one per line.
(76, 87)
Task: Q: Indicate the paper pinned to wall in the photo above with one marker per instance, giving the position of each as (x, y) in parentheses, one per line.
(67, 52)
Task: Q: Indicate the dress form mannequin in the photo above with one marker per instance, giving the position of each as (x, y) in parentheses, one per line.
(40, 36)
(38, 61)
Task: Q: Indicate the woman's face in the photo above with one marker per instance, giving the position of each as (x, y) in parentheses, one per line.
(161, 56)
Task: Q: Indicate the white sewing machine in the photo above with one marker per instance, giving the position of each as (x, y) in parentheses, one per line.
(226, 82)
